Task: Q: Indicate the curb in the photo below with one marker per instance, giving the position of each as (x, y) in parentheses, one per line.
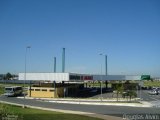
(77, 99)
(94, 102)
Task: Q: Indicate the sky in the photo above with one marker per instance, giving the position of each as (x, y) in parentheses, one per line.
(127, 31)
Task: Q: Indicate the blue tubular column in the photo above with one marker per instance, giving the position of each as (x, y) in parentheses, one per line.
(106, 63)
(54, 64)
(63, 60)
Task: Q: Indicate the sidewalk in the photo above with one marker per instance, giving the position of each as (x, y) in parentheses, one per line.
(112, 102)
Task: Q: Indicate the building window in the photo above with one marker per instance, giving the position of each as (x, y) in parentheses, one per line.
(74, 77)
(44, 90)
(51, 90)
(88, 77)
(37, 89)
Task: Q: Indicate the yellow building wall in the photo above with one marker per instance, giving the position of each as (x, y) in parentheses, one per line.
(48, 93)
(41, 93)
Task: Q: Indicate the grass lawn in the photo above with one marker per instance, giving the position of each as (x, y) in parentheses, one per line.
(146, 83)
(12, 84)
(1, 89)
(152, 83)
(35, 114)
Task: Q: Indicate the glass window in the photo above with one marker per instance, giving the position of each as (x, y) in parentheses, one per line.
(37, 89)
(8, 89)
(44, 89)
(51, 90)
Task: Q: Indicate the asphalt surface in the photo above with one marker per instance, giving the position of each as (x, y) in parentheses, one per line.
(98, 109)
(143, 94)
(147, 97)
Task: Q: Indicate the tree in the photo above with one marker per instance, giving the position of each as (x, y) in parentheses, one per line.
(119, 89)
(130, 90)
(131, 93)
(8, 76)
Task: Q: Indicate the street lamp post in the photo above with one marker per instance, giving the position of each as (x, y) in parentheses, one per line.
(106, 64)
(105, 71)
(101, 91)
(28, 47)
(101, 77)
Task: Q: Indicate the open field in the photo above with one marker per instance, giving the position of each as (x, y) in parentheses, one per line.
(35, 114)
(9, 84)
(146, 83)
(152, 83)
(1, 89)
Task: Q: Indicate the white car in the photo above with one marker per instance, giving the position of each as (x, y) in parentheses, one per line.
(153, 92)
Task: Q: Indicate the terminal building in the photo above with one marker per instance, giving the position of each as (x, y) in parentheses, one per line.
(74, 77)
(55, 85)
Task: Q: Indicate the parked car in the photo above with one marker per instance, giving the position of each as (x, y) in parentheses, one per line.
(153, 92)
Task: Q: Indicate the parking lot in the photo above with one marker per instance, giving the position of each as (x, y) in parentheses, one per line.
(147, 97)
(143, 94)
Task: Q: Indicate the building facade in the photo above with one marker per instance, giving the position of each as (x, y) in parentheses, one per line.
(74, 77)
(55, 85)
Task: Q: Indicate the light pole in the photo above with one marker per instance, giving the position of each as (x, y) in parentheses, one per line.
(105, 70)
(28, 47)
(101, 76)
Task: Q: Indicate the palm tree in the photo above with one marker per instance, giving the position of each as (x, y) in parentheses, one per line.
(131, 93)
(119, 89)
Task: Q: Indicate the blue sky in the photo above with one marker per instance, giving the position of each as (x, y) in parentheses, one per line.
(128, 31)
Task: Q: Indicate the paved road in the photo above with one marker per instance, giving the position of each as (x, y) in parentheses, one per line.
(105, 110)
